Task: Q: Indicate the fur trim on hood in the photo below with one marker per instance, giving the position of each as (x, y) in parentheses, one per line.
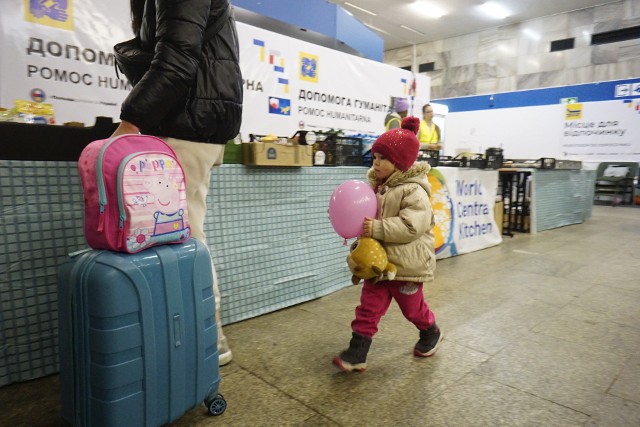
(417, 173)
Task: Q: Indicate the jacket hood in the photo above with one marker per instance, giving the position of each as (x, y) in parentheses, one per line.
(417, 173)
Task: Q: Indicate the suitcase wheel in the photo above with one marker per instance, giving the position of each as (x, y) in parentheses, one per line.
(217, 405)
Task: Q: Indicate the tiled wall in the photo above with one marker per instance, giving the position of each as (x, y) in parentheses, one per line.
(562, 197)
(268, 230)
(41, 221)
(518, 57)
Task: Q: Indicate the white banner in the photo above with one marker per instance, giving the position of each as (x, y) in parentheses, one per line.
(602, 131)
(598, 122)
(291, 84)
(463, 202)
(60, 52)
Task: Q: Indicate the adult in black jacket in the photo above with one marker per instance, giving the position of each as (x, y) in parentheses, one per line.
(191, 96)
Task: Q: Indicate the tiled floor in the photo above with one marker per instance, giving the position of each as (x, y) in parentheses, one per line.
(542, 330)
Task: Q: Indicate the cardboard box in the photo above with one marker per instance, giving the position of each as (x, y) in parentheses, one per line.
(271, 154)
(498, 214)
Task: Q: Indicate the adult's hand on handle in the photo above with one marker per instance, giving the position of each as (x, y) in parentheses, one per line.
(125, 127)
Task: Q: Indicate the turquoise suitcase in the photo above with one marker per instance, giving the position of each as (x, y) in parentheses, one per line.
(138, 336)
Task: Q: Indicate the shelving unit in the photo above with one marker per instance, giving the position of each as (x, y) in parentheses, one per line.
(514, 190)
(615, 190)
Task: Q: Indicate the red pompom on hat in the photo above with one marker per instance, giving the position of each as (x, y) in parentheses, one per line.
(400, 146)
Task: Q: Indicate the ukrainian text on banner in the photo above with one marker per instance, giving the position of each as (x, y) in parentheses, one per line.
(602, 131)
(463, 202)
(592, 122)
(290, 84)
(60, 52)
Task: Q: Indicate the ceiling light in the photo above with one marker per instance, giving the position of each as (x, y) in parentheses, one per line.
(412, 30)
(428, 9)
(494, 10)
(408, 43)
(376, 29)
(359, 8)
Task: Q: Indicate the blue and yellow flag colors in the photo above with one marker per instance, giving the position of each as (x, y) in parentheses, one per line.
(308, 67)
(53, 13)
(633, 104)
(404, 86)
(279, 106)
(285, 84)
(274, 58)
(573, 112)
(260, 44)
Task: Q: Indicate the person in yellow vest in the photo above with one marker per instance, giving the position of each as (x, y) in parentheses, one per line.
(393, 119)
(429, 132)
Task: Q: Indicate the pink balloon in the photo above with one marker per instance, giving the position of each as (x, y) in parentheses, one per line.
(350, 203)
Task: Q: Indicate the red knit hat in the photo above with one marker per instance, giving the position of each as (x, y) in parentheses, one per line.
(400, 146)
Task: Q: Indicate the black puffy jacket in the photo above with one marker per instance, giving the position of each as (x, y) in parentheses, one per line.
(193, 90)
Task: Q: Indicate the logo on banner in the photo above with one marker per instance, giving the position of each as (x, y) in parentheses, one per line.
(309, 67)
(279, 106)
(573, 112)
(285, 84)
(635, 89)
(261, 46)
(443, 212)
(52, 13)
(622, 90)
(38, 95)
(275, 59)
(409, 88)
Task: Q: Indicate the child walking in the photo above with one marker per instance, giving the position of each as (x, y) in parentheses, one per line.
(404, 227)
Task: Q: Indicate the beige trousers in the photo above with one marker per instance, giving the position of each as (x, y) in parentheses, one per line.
(197, 160)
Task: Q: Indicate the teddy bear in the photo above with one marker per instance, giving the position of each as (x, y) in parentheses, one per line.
(367, 259)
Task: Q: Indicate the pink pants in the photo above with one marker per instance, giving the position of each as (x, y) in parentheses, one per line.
(376, 298)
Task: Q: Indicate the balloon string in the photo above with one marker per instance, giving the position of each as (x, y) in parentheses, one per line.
(345, 242)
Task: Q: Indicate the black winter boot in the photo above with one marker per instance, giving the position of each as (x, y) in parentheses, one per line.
(429, 341)
(355, 357)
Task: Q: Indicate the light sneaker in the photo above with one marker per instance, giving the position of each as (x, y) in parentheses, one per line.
(224, 352)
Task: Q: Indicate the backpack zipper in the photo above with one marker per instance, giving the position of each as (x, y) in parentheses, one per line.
(123, 213)
(102, 193)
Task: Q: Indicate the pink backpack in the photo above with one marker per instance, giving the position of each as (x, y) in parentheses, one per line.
(134, 194)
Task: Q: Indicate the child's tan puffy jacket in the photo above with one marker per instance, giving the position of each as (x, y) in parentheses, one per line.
(405, 222)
